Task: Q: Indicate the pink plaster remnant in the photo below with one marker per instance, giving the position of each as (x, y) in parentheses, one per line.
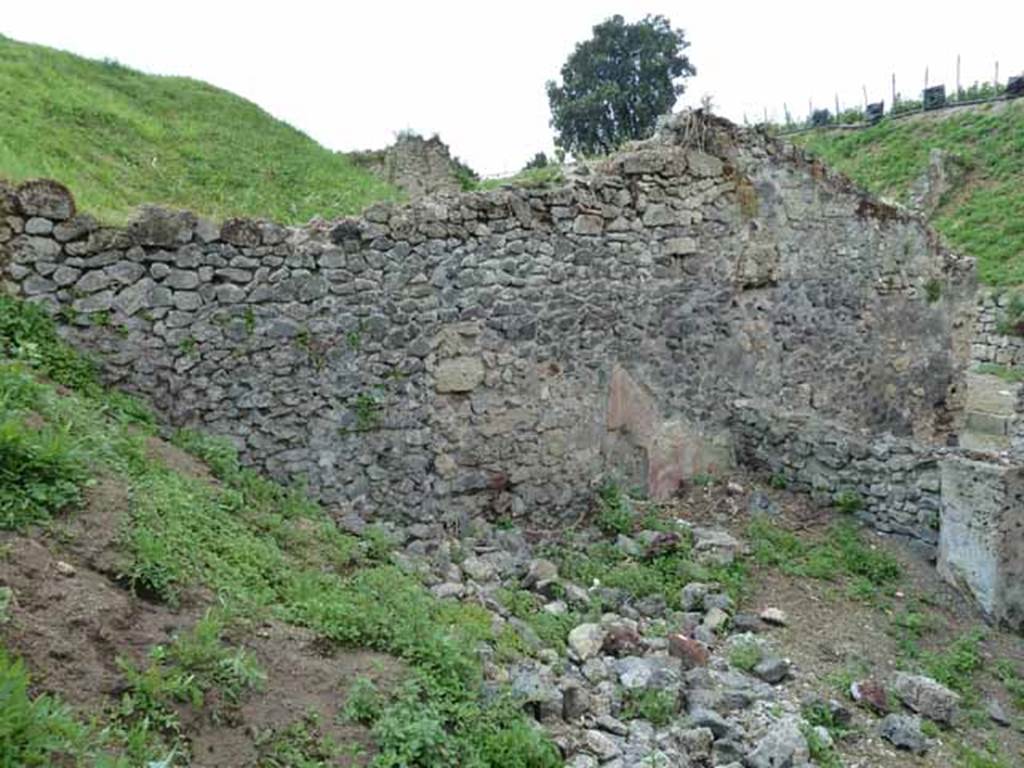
(674, 451)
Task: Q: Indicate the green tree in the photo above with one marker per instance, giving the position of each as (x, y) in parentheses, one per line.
(616, 85)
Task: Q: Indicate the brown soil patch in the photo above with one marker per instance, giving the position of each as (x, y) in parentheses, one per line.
(300, 680)
(71, 624)
(176, 459)
(70, 629)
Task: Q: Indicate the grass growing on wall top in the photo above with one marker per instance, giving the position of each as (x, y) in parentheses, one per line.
(984, 216)
(119, 138)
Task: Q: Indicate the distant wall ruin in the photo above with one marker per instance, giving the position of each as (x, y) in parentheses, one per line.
(419, 167)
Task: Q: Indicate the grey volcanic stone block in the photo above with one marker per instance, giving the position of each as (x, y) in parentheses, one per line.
(981, 540)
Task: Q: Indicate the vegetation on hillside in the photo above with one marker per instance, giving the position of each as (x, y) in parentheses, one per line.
(119, 138)
(982, 217)
(262, 551)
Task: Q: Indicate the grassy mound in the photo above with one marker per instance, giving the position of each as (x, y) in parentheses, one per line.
(119, 138)
(984, 215)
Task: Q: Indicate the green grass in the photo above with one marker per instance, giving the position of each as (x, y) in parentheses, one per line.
(842, 554)
(663, 575)
(548, 176)
(745, 655)
(264, 552)
(1004, 372)
(119, 138)
(652, 704)
(985, 218)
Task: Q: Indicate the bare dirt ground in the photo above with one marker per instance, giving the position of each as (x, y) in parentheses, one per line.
(71, 619)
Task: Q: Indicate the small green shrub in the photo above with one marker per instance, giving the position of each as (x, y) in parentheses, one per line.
(364, 703)
(933, 290)
(818, 713)
(36, 731)
(745, 655)
(301, 744)
(956, 666)
(614, 512)
(367, 409)
(703, 480)
(849, 502)
(1007, 673)
(822, 753)
(28, 334)
(41, 471)
(652, 704)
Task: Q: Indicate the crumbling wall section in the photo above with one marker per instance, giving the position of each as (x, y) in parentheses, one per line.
(457, 355)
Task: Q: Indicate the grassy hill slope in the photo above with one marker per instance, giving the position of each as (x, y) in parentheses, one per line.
(120, 138)
(984, 215)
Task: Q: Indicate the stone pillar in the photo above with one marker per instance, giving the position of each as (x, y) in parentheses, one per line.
(981, 538)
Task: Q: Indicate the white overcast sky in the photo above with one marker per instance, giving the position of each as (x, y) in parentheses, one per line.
(352, 74)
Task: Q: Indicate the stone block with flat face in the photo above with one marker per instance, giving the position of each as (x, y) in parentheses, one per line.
(981, 535)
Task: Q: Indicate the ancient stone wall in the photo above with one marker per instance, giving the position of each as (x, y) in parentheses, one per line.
(892, 484)
(419, 167)
(503, 350)
(989, 345)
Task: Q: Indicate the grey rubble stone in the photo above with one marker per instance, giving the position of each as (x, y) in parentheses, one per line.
(586, 640)
(93, 281)
(692, 596)
(241, 232)
(695, 743)
(708, 718)
(27, 250)
(97, 302)
(230, 294)
(126, 272)
(45, 198)
(181, 280)
(783, 746)
(460, 374)
(772, 669)
(38, 226)
(904, 732)
(206, 231)
(135, 297)
(35, 285)
(479, 569)
(715, 620)
(927, 697)
(187, 300)
(234, 275)
(648, 672)
(601, 745)
(160, 227)
(703, 165)
(75, 228)
(587, 224)
(582, 760)
(996, 713)
(659, 216)
(680, 246)
(65, 275)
